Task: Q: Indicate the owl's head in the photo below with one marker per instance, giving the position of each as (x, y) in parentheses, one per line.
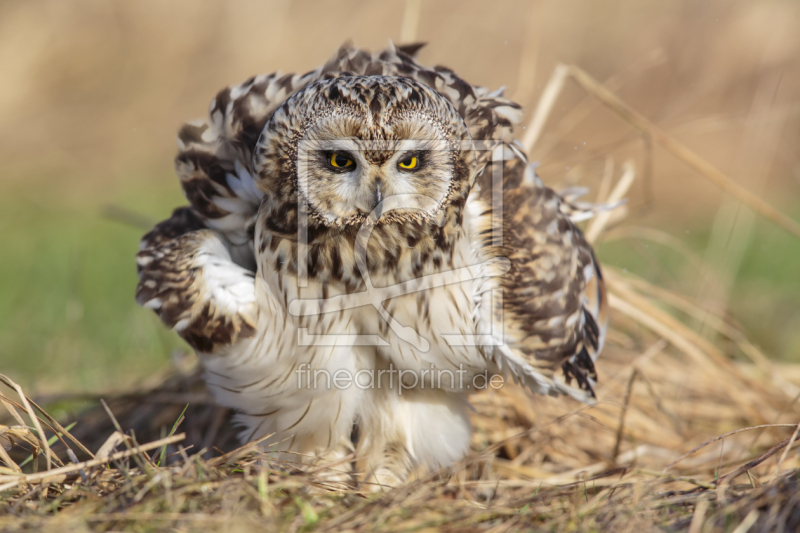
(353, 146)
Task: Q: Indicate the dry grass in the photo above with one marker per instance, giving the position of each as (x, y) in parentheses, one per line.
(677, 439)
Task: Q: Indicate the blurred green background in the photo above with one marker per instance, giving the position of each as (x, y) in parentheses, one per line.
(92, 93)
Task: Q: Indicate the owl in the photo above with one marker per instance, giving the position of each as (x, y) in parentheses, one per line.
(365, 246)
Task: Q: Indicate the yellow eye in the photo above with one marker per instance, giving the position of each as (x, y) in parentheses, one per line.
(409, 163)
(340, 161)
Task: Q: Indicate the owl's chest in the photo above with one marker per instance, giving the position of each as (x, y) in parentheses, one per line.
(433, 327)
(427, 320)
(417, 308)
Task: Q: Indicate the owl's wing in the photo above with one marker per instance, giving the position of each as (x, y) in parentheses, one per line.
(553, 307)
(214, 161)
(187, 276)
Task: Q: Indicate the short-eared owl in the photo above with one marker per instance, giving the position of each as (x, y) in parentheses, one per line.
(365, 246)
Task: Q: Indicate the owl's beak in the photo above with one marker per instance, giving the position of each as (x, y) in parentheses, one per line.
(378, 200)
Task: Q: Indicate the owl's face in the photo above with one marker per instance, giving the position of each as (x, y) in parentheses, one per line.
(353, 147)
(352, 166)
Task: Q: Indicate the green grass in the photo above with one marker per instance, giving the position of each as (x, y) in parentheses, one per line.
(68, 320)
(765, 297)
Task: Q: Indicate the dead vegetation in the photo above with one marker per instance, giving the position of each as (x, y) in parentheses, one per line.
(677, 441)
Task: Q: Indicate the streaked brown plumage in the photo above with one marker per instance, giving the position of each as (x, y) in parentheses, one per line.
(225, 271)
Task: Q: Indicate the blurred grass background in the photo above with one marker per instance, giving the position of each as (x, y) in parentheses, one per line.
(93, 91)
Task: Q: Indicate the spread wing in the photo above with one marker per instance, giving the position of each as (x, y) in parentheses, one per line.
(553, 310)
(187, 276)
(554, 300)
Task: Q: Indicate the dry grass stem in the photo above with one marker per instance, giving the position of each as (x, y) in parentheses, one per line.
(703, 167)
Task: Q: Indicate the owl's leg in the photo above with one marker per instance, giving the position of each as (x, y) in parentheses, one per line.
(391, 470)
(310, 433)
(334, 467)
(419, 428)
(300, 427)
